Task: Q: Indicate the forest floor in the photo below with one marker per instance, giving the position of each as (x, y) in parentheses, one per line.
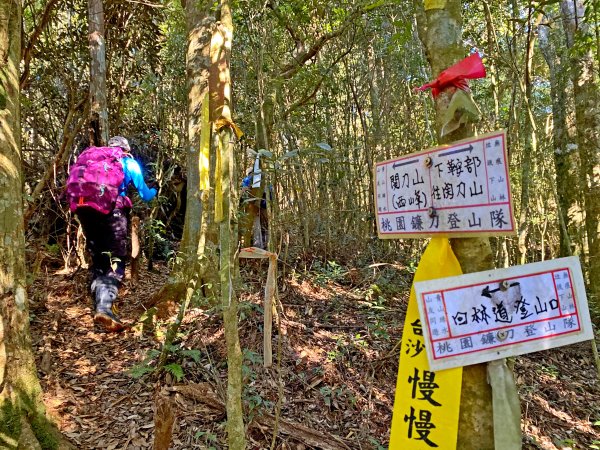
(339, 360)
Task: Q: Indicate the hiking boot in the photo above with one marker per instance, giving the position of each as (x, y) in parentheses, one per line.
(109, 321)
(105, 291)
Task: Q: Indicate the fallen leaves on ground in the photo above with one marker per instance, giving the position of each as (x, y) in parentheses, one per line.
(339, 359)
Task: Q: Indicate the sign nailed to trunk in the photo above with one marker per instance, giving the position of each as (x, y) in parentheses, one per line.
(458, 190)
(491, 315)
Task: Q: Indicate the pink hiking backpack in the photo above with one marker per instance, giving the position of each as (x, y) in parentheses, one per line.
(95, 178)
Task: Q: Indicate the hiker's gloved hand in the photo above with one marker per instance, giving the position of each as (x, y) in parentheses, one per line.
(153, 186)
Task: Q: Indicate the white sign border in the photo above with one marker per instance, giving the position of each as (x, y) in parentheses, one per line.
(495, 276)
(448, 233)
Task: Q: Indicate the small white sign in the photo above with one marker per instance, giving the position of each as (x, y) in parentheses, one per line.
(490, 315)
(458, 190)
(257, 173)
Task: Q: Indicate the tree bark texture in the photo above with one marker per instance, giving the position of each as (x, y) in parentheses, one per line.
(221, 55)
(23, 422)
(530, 149)
(199, 25)
(440, 31)
(99, 108)
(564, 157)
(587, 117)
(236, 435)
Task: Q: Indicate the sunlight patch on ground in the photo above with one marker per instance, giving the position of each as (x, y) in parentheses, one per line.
(310, 291)
(308, 354)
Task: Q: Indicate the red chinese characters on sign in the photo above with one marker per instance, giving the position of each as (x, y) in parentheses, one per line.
(504, 315)
(462, 189)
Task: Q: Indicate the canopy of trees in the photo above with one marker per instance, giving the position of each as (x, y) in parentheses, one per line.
(321, 91)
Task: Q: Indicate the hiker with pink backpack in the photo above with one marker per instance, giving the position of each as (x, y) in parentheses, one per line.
(96, 192)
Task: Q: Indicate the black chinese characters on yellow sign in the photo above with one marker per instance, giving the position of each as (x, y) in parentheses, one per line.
(427, 403)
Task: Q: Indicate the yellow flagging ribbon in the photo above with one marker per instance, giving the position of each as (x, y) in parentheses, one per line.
(219, 185)
(205, 145)
(225, 122)
(427, 404)
(435, 4)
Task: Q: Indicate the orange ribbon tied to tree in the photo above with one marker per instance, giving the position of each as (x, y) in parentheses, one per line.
(457, 75)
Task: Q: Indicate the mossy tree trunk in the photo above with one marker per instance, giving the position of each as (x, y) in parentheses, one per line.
(196, 273)
(440, 30)
(23, 421)
(200, 233)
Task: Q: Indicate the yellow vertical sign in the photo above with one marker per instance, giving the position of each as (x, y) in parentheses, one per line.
(435, 4)
(204, 156)
(427, 404)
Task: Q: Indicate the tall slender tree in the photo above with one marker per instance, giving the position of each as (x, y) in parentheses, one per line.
(23, 421)
(99, 109)
(564, 156)
(587, 117)
(440, 30)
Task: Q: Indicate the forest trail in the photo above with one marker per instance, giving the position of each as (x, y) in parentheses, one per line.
(339, 365)
(84, 370)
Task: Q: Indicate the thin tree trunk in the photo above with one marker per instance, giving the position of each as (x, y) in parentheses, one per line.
(23, 421)
(99, 108)
(587, 116)
(220, 87)
(564, 163)
(530, 142)
(476, 431)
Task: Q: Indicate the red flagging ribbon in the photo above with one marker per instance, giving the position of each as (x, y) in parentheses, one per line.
(469, 68)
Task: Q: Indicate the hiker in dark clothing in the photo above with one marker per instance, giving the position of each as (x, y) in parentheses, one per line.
(100, 202)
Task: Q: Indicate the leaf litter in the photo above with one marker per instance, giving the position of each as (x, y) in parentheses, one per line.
(339, 360)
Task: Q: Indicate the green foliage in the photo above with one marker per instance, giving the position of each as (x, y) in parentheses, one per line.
(146, 366)
(376, 444)
(176, 370)
(251, 396)
(331, 272)
(249, 309)
(180, 359)
(549, 370)
(155, 233)
(333, 396)
(209, 439)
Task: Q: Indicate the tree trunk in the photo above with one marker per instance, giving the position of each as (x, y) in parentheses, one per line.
(99, 108)
(440, 30)
(23, 421)
(530, 149)
(564, 159)
(196, 272)
(225, 213)
(587, 117)
(198, 226)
